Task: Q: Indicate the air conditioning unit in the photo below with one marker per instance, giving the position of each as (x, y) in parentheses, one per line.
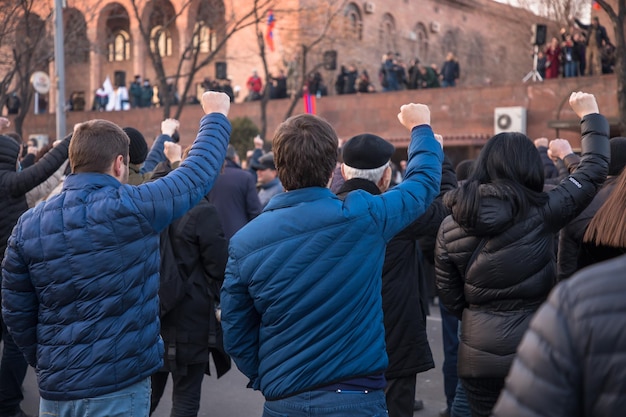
(435, 27)
(369, 7)
(509, 119)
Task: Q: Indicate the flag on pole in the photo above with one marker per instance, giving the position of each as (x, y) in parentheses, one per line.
(309, 102)
(269, 35)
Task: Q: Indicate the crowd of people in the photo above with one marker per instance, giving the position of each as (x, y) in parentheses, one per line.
(393, 75)
(581, 50)
(138, 262)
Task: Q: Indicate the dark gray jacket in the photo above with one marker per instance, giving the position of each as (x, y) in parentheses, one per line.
(571, 362)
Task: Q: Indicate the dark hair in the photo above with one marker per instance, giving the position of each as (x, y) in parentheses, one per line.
(607, 227)
(305, 152)
(464, 169)
(44, 150)
(95, 145)
(15, 136)
(511, 162)
(231, 152)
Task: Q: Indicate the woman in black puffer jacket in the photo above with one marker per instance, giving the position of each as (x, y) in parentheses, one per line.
(495, 256)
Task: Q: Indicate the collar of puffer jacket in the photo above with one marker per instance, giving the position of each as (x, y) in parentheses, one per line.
(302, 195)
(90, 180)
(496, 212)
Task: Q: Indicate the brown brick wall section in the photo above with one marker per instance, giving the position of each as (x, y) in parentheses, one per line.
(456, 112)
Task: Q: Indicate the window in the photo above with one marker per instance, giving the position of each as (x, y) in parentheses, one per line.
(388, 33)
(161, 41)
(119, 47)
(204, 38)
(76, 44)
(449, 43)
(422, 41)
(353, 21)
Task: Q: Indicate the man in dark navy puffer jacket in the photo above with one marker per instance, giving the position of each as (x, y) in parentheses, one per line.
(81, 271)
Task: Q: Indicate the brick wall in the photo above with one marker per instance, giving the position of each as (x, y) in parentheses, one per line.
(464, 115)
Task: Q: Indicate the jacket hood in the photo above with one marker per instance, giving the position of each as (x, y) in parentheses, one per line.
(9, 151)
(496, 212)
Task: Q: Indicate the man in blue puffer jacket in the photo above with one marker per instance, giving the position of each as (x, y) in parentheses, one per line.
(301, 301)
(81, 272)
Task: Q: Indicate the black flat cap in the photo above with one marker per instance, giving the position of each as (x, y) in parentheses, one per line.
(265, 162)
(367, 151)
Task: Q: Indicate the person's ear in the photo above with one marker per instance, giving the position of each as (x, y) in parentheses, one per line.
(343, 173)
(385, 180)
(118, 166)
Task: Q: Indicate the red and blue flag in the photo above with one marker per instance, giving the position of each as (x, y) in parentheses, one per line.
(269, 35)
(309, 102)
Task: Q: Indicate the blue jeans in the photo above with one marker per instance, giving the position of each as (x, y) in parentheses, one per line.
(329, 403)
(571, 69)
(449, 332)
(448, 83)
(133, 401)
(460, 406)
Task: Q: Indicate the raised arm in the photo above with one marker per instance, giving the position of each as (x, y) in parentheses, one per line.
(400, 206)
(577, 190)
(182, 188)
(566, 161)
(22, 182)
(157, 152)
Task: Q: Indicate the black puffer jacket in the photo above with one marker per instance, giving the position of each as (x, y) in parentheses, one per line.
(571, 362)
(497, 275)
(571, 237)
(191, 330)
(14, 185)
(404, 288)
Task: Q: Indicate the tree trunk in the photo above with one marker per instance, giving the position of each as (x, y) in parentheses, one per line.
(298, 94)
(26, 95)
(620, 69)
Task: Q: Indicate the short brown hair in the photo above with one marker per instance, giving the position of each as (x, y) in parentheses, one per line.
(95, 145)
(305, 152)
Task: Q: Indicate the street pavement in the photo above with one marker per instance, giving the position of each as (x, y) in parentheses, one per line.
(229, 397)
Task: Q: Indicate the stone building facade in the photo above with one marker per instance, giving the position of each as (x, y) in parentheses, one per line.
(490, 39)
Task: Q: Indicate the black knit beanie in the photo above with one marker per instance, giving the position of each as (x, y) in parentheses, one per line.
(618, 155)
(138, 149)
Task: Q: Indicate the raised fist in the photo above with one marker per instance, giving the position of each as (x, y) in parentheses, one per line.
(258, 142)
(169, 126)
(4, 123)
(559, 148)
(439, 139)
(173, 151)
(539, 142)
(583, 103)
(412, 115)
(215, 102)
